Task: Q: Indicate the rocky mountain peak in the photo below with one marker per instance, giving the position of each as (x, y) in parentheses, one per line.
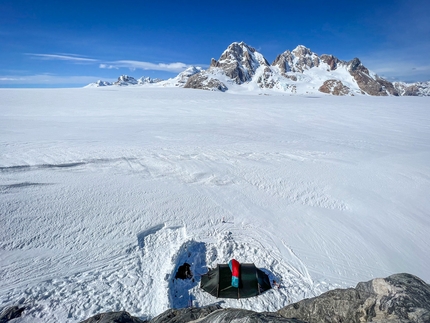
(302, 51)
(240, 62)
(354, 64)
(126, 80)
(297, 71)
(148, 80)
(298, 60)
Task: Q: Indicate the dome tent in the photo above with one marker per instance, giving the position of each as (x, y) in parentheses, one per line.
(252, 282)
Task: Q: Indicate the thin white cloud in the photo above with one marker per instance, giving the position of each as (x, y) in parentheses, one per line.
(11, 79)
(73, 58)
(133, 65)
(130, 64)
(48, 79)
(108, 66)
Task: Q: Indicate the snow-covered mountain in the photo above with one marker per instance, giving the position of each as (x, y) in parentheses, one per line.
(240, 62)
(148, 80)
(99, 83)
(125, 80)
(300, 71)
(297, 71)
(413, 89)
(181, 79)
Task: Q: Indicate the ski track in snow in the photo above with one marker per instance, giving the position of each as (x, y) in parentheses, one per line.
(104, 196)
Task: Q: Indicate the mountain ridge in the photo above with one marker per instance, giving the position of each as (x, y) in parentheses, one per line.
(299, 71)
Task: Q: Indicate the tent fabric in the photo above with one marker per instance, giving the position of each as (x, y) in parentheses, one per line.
(252, 282)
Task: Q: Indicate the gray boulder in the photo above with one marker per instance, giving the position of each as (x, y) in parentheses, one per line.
(113, 317)
(399, 298)
(185, 314)
(244, 316)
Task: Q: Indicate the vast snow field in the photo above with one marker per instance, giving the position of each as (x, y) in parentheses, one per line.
(104, 192)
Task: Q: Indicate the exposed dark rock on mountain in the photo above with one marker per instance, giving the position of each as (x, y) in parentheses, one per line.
(205, 82)
(398, 298)
(413, 89)
(373, 86)
(335, 87)
(331, 61)
(183, 77)
(239, 62)
(299, 60)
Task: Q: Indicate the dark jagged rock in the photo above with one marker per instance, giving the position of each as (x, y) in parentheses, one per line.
(11, 313)
(331, 61)
(239, 62)
(185, 314)
(387, 86)
(373, 86)
(398, 298)
(113, 317)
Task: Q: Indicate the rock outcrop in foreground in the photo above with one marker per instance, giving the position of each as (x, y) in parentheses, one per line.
(398, 298)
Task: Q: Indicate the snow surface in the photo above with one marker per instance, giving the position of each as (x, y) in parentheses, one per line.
(105, 191)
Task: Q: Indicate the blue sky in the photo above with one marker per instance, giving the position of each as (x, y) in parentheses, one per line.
(46, 43)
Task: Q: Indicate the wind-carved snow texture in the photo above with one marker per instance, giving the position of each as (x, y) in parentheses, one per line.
(104, 194)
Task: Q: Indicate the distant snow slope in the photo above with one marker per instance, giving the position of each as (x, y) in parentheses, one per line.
(104, 192)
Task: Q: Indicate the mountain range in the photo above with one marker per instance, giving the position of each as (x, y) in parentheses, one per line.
(300, 71)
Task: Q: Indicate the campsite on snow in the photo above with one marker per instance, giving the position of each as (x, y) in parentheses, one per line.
(105, 192)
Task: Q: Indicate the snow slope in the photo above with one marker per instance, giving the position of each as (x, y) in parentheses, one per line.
(105, 191)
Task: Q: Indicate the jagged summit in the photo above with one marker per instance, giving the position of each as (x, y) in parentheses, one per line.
(239, 62)
(299, 59)
(125, 80)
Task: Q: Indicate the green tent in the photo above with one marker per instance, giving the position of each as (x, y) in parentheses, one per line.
(252, 282)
